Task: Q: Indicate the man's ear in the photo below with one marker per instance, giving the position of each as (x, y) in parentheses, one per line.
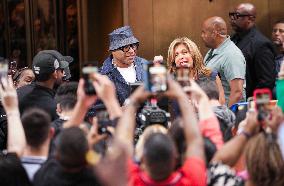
(214, 33)
(54, 75)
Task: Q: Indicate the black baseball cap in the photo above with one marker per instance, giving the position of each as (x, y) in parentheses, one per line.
(46, 62)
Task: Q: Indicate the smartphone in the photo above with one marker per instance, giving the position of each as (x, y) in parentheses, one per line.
(156, 80)
(88, 86)
(103, 121)
(134, 86)
(261, 98)
(182, 76)
(4, 67)
(12, 68)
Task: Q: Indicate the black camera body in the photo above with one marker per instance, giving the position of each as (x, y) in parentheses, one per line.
(152, 114)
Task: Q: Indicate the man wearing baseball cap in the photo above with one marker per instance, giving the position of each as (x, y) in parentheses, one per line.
(123, 66)
(48, 67)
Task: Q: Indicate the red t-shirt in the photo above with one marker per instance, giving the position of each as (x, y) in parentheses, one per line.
(192, 173)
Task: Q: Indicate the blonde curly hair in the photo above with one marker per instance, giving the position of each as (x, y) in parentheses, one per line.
(198, 65)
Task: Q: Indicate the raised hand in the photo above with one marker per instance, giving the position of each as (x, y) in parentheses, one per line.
(8, 94)
(83, 98)
(105, 89)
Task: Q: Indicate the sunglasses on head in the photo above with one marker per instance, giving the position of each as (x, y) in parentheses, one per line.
(237, 15)
(19, 72)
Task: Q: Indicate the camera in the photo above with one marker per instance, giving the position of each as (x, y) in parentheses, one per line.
(156, 80)
(88, 85)
(152, 114)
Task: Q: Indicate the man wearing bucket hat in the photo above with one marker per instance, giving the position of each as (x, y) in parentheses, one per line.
(48, 67)
(123, 66)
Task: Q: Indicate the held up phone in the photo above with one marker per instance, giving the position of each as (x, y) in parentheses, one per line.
(4, 67)
(134, 86)
(156, 81)
(103, 121)
(182, 76)
(88, 86)
(262, 99)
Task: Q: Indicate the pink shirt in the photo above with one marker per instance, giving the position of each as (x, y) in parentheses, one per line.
(210, 128)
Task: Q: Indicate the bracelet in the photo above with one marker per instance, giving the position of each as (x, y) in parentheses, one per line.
(247, 135)
(130, 102)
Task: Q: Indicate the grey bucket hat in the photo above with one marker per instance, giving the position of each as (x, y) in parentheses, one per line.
(121, 37)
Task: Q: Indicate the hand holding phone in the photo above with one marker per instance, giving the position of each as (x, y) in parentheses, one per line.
(87, 75)
(262, 99)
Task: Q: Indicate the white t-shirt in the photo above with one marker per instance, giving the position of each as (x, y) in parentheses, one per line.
(129, 73)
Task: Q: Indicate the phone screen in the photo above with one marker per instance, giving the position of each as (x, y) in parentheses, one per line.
(88, 85)
(157, 78)
(262, 101)
(103, 121)
(182, 76)
(262, 98)
(4, 68)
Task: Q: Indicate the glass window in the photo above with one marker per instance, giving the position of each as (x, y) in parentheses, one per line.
(17, 32)
(71, 42)
(44, 24)
(2, 31)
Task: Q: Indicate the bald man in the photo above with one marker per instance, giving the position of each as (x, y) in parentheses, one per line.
(226, 58)
(257, 49)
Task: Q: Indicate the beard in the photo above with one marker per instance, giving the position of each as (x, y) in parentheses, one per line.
(57, 84)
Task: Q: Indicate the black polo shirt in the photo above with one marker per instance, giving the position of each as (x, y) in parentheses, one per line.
(36, 96)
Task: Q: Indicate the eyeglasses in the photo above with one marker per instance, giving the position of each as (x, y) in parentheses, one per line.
(237, 15)
(127, 47)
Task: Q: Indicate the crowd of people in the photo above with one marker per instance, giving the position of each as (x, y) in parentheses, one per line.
(54, 132)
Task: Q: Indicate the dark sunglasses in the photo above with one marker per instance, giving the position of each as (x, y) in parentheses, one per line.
(237, 15)
(127, 47)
